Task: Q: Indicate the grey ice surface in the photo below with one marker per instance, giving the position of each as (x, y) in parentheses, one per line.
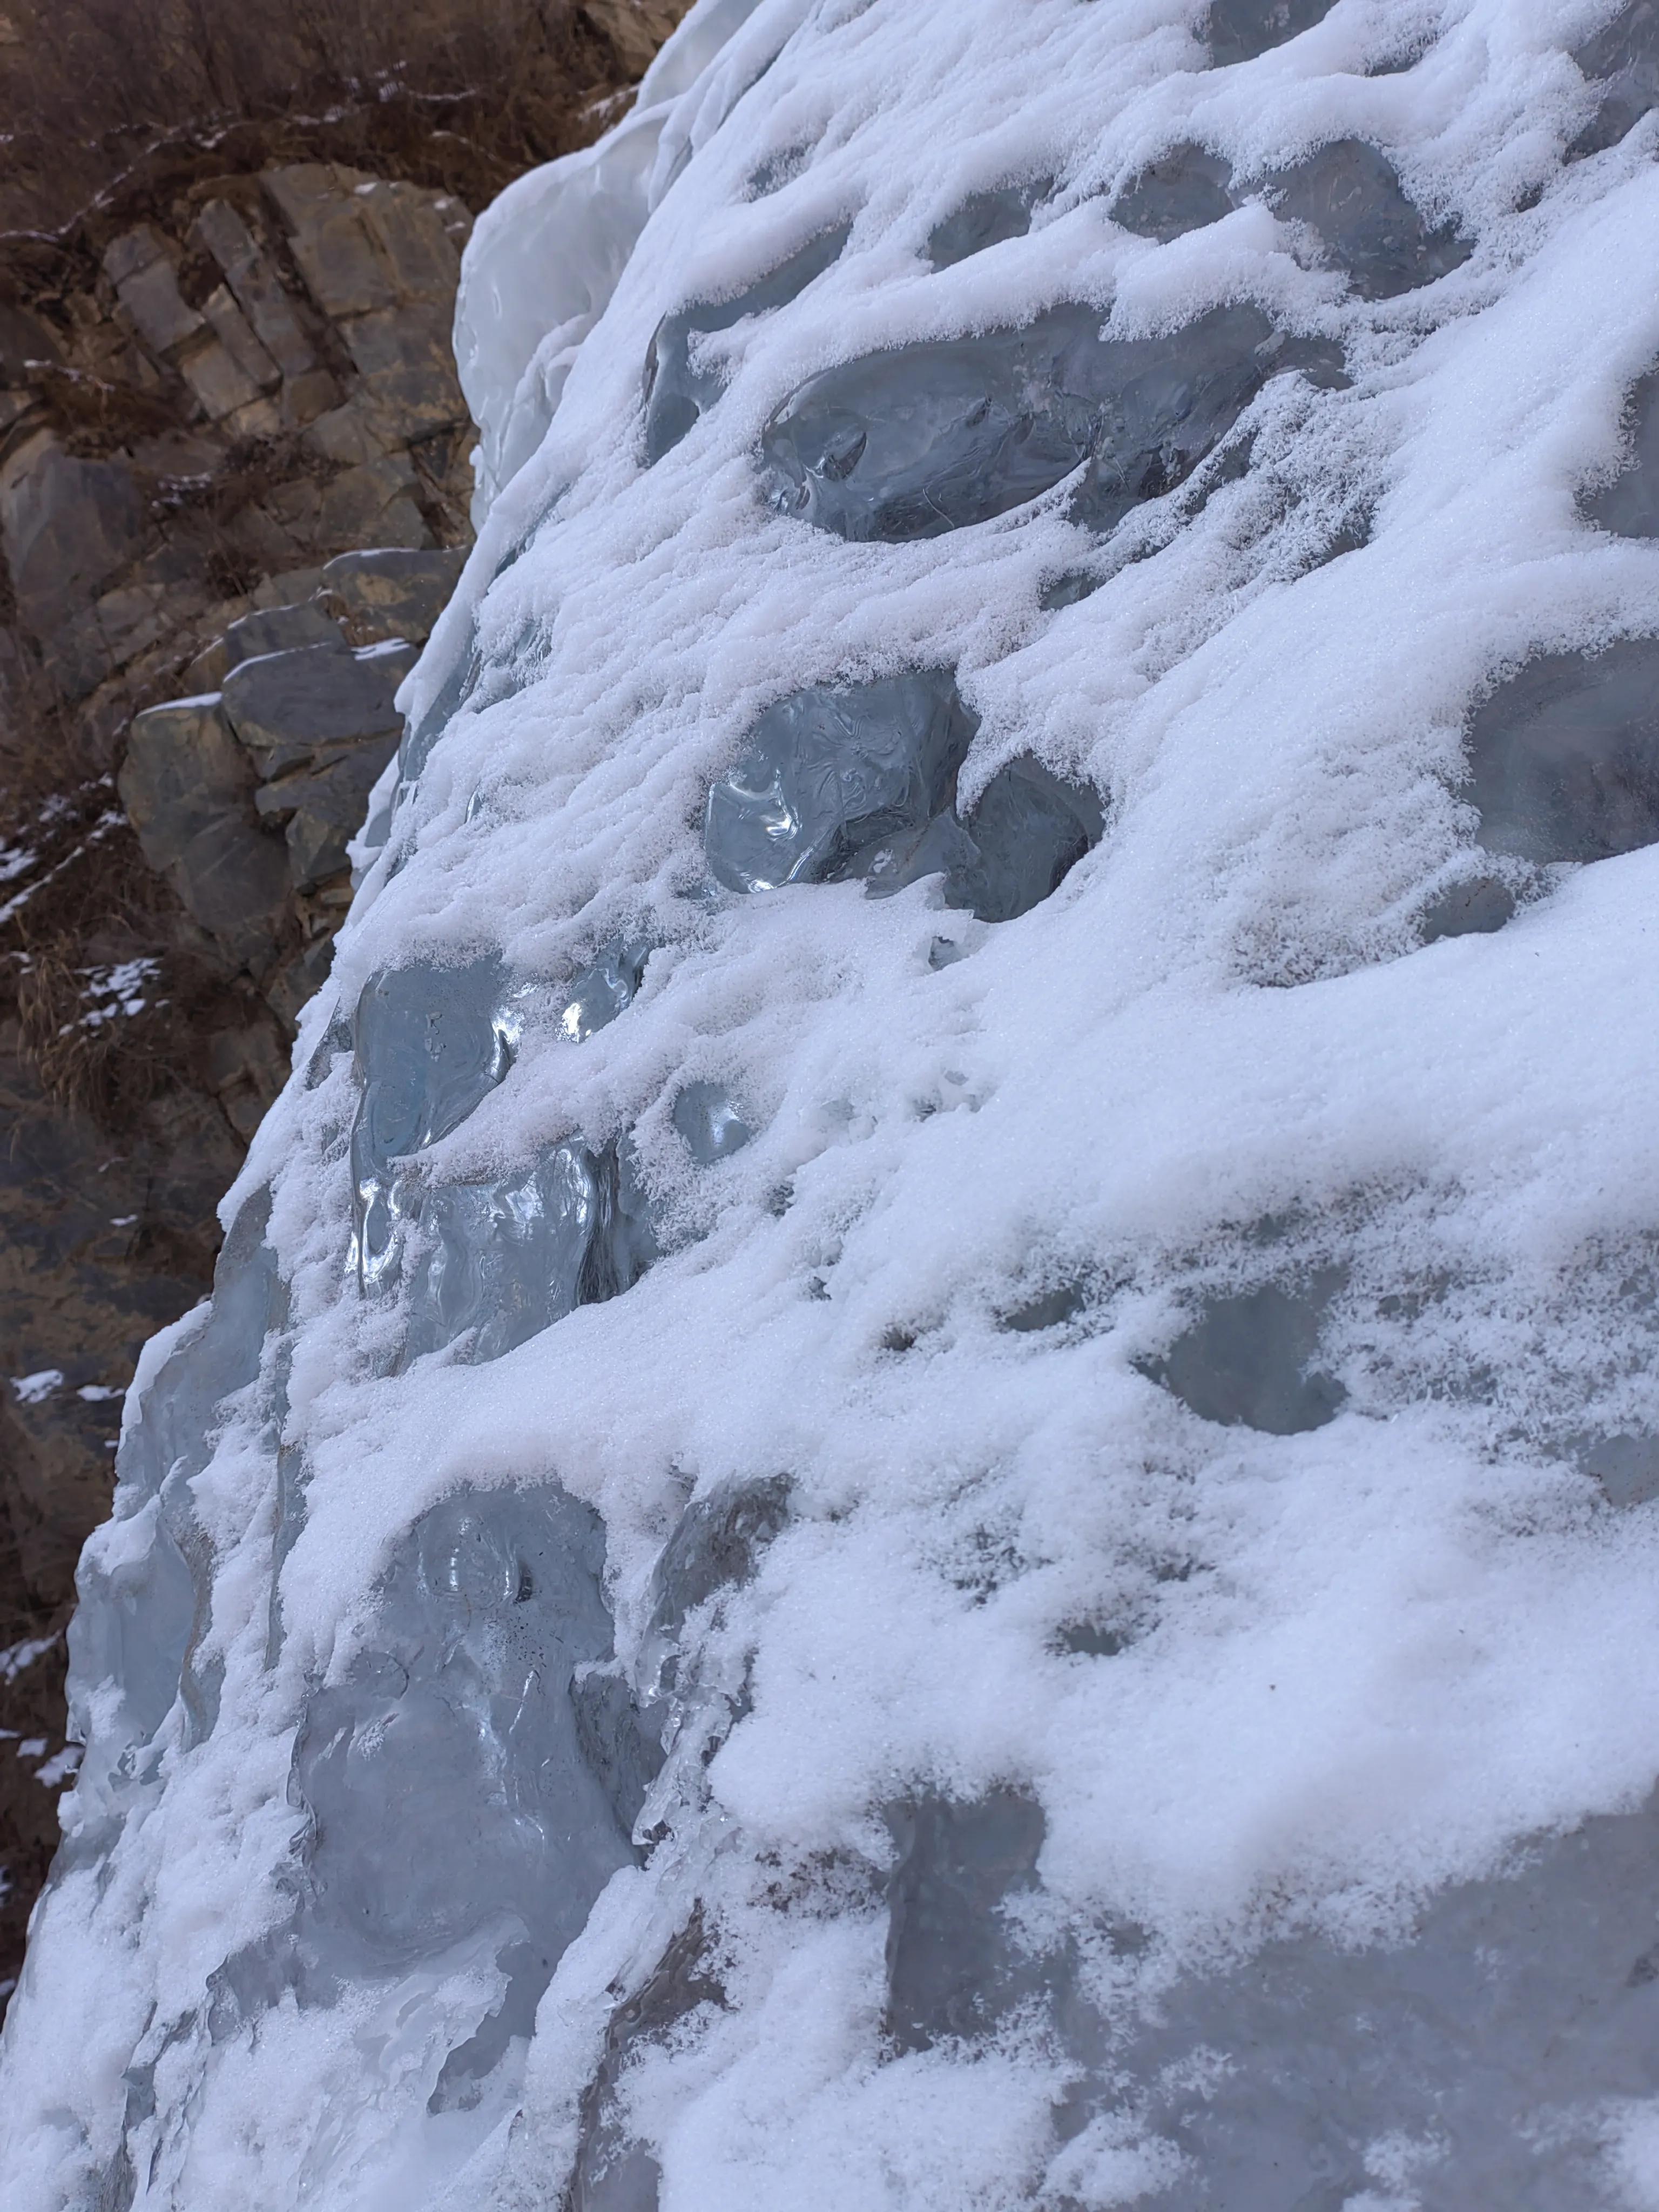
(1239, 30)
(679, 385)
(938, 436)
(1349, 194)
(1491, 2042)
(136, 1623)
(1623, 57)
(1475, 907)
(1483, 2040)
(1028, 830)
(985, 219)
(935, 436)
(1564, 757)
(1626, 1466)
(1182, 191)
(715, 1546)
(456, 1720)
(1251, 1358)
(710, 1124)
(861, 782)
(952, 1970)
(1628, 506)
(830, 779)
(502, 1259)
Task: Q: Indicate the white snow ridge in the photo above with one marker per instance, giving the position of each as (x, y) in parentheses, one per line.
(926, 1474)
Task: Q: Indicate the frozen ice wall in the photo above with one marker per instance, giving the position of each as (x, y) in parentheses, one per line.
(926, 1474)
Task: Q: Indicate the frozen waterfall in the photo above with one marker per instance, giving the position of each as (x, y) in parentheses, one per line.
(925, 1474)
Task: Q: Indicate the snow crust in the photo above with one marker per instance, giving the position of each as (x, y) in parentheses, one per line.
(1266, 1689)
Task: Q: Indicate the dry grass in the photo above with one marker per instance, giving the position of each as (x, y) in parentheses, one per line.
(87, 904)
(461, 93)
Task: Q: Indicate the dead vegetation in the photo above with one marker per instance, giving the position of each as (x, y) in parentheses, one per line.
(113, 113)
(461, 94)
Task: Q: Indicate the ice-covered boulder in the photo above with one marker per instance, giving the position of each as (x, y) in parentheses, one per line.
(926, 1471)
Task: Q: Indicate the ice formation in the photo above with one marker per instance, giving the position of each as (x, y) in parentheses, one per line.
(926, 1471)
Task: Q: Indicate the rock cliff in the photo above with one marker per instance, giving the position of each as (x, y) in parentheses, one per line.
(234, 483)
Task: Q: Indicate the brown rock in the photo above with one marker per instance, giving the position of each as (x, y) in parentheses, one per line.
(411, 235)
(246, 1068)
(353, 434)
(258, 287)
(298, 983)
(230, 326)
(139, 266)
(326, 809)
(100, 1244)
(67, 525)
(187, 787)
(373, 505)
(277, 629)
(636, 28)
(388, 592)
(305, 398)
(222, 388)
(287, 707)
(404, 357)
(330, 239)
(288, 589)
(23, 338)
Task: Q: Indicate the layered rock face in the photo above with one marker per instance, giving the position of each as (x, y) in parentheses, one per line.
(924, 1468)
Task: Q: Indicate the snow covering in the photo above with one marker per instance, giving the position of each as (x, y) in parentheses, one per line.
(821, 1551)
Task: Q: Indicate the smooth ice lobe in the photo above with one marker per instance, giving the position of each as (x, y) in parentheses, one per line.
(502, 1258)
(833, 780)
(1250, 1357)
(1351, 198)
(937, 437)
(458, 1709)
(1183, 190)
(1347, 194)
(861, 782)
(680, 383)
(143, 1604)
(1563, 759)
(984, 220)
(1027, 829)
(1239, 30)
(1630, 505)
(1623, 57)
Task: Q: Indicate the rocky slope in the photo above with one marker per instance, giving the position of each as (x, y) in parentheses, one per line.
(234, 492)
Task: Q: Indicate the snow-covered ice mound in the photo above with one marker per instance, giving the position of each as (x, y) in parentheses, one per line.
(925, 1473)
